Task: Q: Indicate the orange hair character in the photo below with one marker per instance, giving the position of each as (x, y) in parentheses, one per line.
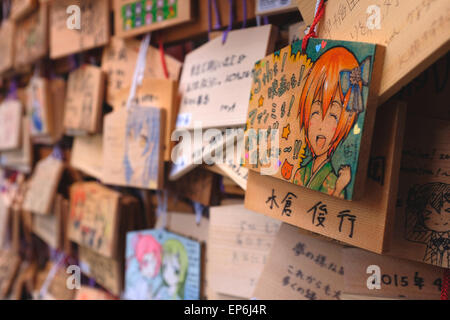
(323, 84)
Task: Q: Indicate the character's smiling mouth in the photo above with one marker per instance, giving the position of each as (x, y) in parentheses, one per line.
(320, 141)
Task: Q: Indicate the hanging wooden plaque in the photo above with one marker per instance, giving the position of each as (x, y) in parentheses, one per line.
(398, 278)
(21, 8)
(6, 45)
(10, 125)
(239, 244)
(39, 107)
(414, 32)
(93, 220)
(43, 185)
(160, 93)
(119, 62)
(311, 115)
(93, 31)
(84, 100)
(216, 68)
(133, 17)
(365, 223)
(132, 148)
(106, 271)
(31, 37)
(301, 267)
(422, 226)
(269, 7)
(87, 155)
(21, 159)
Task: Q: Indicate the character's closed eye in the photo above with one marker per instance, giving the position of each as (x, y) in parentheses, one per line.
(335, 110)
(447, 197)
(144, 138)
(427, 213)
(316, 108)
(447, 210)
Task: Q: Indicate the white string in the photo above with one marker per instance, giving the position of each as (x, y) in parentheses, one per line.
(258, 21)
(139, 70)
(51, 275)
(315, 13)
(161, 210)
(198, 208)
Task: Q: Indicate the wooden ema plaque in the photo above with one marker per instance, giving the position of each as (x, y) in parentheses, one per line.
(43, 185)
(5, 222)
(94, 218)
(310, 116)
(84, 100)
(106, 271)
(10, 125)
(87, 155)
(119, 62)
(160, 93)
(6, 46)
(398, 278)
(415, 33)
(31, 37)
(94, 26)
(21, 8)
(132, 148)
(215, 68)
(301, 267)
(20, 159)
(269, 7)
(39, 107)
(365, 223)
(239, 245)
(50, 227)
(9, 266)
(422, 226)
(133, 17)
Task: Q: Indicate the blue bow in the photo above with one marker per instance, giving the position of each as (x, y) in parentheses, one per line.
(350, 79)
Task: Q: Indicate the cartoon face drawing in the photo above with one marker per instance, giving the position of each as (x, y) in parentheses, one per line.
(286, 170)
(161, 266)
(322, 127)
(435, 219)
(149, 265)
(330, 104)
(174, 269)
(171, 273)
(148, 254)
(428, 221)
(141, 146)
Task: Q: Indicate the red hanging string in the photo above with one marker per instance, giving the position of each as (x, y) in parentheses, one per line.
(312, 29)
(163, 58)
(445, 284)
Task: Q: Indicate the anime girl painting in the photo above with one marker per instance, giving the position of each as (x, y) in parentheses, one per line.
(161, 266)
(142, 147)
(330, 103)
(309, 113)
(174, 270)
(148, 256)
